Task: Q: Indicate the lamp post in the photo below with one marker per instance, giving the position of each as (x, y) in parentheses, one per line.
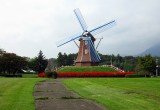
(157, 67)
(111, 60)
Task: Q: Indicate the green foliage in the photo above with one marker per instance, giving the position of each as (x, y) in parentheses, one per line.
(135, 75)
(54, 74)
(33, 64)
(29, 75)
(64, 59)
(2, 51)
(38, 64)
(11, 63)
(17, 93)
(146, 65)
(42, 62)
(119, 93)
(13, 75)
(87, 69)
(126, 63)
(51, 74)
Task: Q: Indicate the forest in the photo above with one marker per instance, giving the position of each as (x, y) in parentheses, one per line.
(127, 63)
(10, 63)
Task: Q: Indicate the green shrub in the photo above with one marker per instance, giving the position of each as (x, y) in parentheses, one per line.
(54, 74)
(136, 75)
(2, 74)
(30, 75)
(50, 74)
(11, 75)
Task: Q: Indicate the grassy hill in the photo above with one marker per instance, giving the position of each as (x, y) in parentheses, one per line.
(87, 69)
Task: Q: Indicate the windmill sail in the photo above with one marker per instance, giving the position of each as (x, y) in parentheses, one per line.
(93, 52)
(68, 39)
(80, 19)
(94, 55)
(87, 54)
(102, 28)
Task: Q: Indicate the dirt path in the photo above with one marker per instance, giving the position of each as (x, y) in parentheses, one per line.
(53, 95)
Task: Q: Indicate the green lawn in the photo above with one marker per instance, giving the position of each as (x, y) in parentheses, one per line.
(17, 93)
(119, 93)
(87, 69)
(29, 75)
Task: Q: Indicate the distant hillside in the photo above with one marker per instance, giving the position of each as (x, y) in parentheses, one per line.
(154, 51)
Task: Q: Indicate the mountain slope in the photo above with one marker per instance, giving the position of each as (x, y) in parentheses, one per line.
(154, 50)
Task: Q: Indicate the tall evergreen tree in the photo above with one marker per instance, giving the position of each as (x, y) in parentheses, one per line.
(60, 59)
(42, 62)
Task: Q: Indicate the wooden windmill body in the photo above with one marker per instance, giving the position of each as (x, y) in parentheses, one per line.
(84, 57)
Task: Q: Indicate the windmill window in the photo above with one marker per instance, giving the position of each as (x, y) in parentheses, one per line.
(86, 42)
(86, 51)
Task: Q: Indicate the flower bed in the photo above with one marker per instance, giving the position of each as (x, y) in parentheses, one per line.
(93, 74)
(41, 74)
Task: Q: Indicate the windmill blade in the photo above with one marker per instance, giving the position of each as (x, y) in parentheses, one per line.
(94, 54)
(102, 28)
(80, 19)
(68, 39)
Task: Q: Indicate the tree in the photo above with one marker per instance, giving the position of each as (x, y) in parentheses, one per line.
(11, 63)
(71, 59)
(2, 51)
(42, 62)
(146, 65)
(1, 60)
(60, 59)
(64, 59)
(33, 64)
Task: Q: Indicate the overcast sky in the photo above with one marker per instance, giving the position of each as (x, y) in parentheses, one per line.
(27, 26)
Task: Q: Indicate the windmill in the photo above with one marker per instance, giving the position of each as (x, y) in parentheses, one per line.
(87, 54)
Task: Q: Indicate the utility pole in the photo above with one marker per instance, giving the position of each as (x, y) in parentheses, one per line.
(156, 67)
(111, 60)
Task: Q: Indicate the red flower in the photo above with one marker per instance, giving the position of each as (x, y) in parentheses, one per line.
(93, 74)
(41, 74)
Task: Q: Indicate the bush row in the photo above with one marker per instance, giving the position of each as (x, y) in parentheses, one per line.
(136, 75)
(11, 75)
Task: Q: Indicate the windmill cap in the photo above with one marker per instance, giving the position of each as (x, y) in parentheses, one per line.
(85, 38)
(85, 33)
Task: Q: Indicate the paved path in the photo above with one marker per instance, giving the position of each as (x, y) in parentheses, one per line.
(53, 95)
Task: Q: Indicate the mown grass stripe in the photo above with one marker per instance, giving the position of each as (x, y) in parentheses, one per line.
(113, 92)
(17, 93)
